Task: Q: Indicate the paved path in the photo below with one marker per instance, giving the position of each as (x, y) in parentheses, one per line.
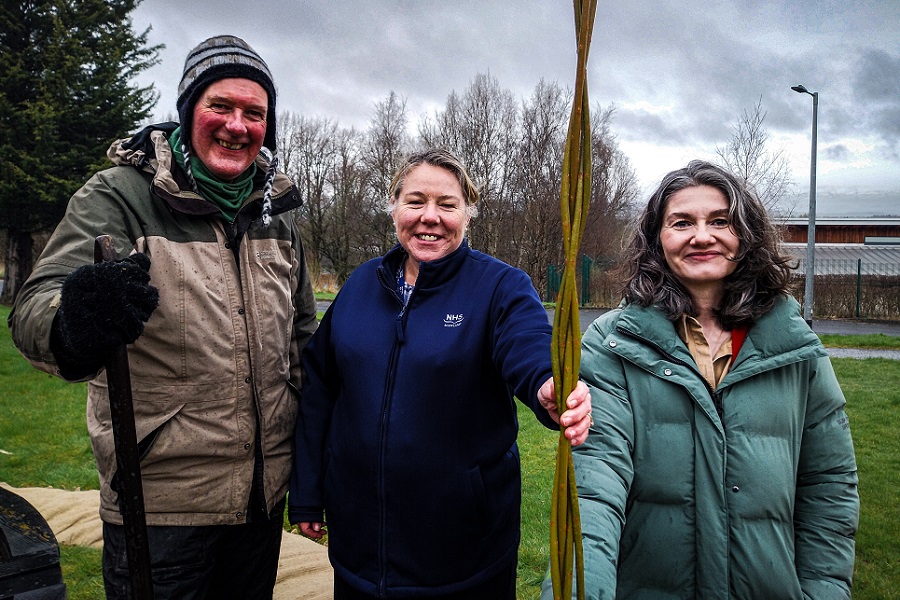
(861, 354)
(856, 327)
(833, 326)
(838, 326)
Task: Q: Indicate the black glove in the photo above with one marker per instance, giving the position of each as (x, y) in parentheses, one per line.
(102, 306)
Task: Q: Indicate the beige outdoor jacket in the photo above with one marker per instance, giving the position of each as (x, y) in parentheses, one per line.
(220, 354)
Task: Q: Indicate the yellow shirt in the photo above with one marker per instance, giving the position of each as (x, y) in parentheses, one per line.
(713, 368)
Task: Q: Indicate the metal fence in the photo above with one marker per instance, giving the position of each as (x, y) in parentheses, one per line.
(554, 279)
(852, 289)
(843, 289)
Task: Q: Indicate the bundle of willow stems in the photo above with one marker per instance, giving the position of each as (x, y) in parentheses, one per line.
(565, 522)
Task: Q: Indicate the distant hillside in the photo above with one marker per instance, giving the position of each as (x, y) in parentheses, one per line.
(838, 203)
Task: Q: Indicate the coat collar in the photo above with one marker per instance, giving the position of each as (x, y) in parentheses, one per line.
(432, 274)
(149, 151)
(778, 337)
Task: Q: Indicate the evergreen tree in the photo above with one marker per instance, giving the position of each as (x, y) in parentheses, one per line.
(66, 92)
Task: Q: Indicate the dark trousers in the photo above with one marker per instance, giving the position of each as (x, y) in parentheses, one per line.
(501, 587)
(195, 563)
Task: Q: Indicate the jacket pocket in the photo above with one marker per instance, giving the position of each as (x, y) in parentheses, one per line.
(144, 447)
(480, 503)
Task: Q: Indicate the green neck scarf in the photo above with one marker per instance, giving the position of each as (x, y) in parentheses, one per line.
(228, 196)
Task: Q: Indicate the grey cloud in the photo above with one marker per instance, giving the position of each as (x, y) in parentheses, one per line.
(876, 93)
(696, 65)
(878, 76)
(837, 152)
(646, 127)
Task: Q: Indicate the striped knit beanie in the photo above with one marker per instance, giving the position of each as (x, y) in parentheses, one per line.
(221, 57)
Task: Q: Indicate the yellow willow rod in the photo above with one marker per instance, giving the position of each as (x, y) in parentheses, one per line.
(575, 192)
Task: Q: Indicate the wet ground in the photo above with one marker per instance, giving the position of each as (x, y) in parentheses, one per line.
(837, 326)
(834, 326)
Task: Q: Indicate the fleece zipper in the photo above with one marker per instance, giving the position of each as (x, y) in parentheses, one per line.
(382, 442)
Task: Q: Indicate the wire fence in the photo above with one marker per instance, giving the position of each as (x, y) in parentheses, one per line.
(843, 289)
(852, 289)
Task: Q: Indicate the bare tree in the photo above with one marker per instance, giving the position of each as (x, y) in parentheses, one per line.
(445, 129)
(307, 149)
(288, 151)
(536, 237)
(387, 144)
(513, 152)
(748, 155)
(614, 190)
(481, 128)
(347, 239)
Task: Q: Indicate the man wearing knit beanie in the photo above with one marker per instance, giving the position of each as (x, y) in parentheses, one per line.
(218, 58)
(214, 303)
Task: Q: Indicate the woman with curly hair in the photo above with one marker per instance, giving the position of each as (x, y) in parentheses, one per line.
(721, 465)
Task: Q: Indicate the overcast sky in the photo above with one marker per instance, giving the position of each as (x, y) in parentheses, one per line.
(680, 74)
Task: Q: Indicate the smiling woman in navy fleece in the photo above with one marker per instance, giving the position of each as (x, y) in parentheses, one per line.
(406, 435)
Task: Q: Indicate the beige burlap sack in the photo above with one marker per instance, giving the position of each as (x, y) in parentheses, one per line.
(304, 572)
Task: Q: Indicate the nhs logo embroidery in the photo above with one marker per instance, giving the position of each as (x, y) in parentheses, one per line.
(453, 320)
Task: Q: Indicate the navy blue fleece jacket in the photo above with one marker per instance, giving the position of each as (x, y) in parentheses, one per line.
(407, 429)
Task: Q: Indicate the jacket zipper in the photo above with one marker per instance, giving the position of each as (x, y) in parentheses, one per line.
(385, 406)
(717, 400)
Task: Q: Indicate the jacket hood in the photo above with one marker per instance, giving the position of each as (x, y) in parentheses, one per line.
(148, 150)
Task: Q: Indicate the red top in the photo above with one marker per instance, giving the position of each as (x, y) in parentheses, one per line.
(738, 334)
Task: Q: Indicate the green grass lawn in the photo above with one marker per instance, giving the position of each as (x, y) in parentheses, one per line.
(872, 388)
(43, 442)
(874, 341)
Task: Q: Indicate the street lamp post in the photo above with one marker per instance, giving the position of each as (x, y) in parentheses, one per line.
(811, 230)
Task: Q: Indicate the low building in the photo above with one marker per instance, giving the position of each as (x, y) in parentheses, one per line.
(857, 265)
(848, 259)
(870, 231)
(845, 246)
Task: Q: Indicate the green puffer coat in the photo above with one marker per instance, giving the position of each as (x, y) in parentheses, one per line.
(679, 502)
